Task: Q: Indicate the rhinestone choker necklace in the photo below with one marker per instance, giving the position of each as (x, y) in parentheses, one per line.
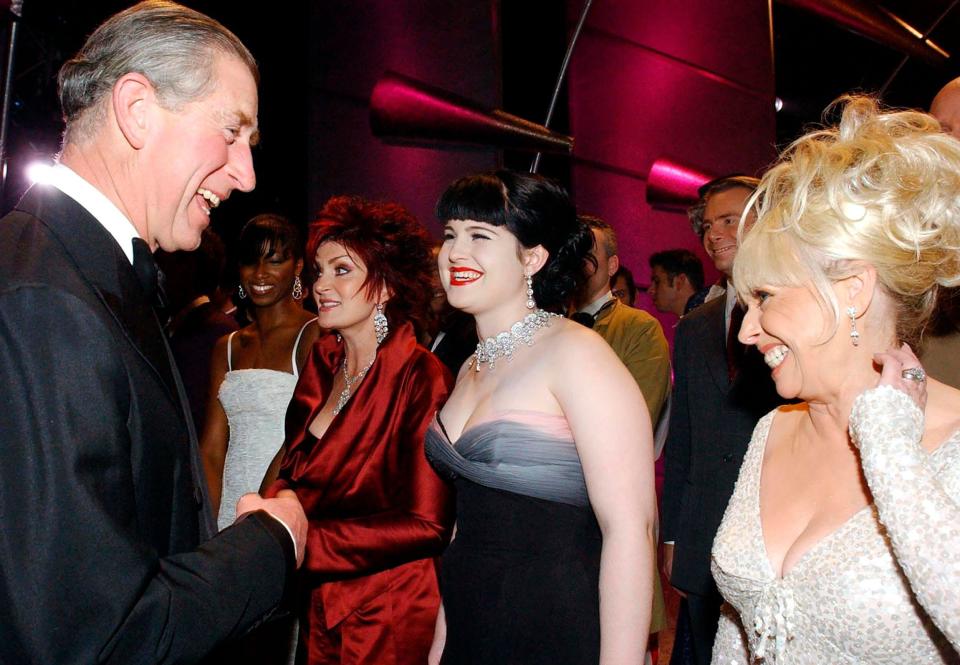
(506, 343)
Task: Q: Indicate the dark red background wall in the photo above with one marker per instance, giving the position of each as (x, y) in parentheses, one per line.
(452, 45)
(692, 81)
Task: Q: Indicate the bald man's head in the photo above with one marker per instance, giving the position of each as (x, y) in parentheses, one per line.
(946, 107)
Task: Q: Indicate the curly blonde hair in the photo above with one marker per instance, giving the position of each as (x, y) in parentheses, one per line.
(881, 187)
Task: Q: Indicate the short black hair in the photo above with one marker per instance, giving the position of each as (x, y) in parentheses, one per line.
(267, 234)
(537, 211)
(679, 262)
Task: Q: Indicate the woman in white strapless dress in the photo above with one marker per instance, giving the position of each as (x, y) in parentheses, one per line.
(254, 370)
(253, 373)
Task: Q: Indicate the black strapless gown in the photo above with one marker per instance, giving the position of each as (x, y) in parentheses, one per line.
(520, 581)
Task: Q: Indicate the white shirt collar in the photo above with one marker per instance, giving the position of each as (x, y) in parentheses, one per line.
(731, 296)
(597, 304)
(715, 291)
(97, 204)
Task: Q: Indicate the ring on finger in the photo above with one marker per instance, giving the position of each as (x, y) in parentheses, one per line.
(914, 374)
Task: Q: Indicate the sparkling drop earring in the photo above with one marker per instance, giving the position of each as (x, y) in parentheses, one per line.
(380, 324)
(530, 301)
(854, 334)
(297, 288)
(240, 292)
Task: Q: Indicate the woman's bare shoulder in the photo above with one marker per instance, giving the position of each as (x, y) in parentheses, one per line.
(570, 343)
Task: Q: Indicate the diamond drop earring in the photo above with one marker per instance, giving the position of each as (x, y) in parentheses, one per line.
(380, 324)
(240, 292)
(854, 334)
(530, 301)
(297, 288)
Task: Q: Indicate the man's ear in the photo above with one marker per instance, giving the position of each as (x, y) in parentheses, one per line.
(613, 265)
(131, 99)
(533, 259)
(680, 280)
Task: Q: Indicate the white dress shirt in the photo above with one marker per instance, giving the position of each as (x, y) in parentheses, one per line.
(96, 203)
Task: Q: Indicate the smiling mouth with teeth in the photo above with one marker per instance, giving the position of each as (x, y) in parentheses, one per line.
(461, 276)
(775, 356)
(212, 199)
(261, 288)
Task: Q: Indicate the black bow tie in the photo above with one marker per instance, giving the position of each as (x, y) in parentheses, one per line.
(148, 274)
(589, 320)
(583, 318)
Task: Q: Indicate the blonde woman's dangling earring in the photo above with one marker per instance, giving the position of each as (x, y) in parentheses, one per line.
(854, 333)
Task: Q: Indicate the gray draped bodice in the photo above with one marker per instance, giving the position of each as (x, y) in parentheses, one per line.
(525, 452)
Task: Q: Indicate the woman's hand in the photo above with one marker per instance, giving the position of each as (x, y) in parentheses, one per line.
(901, 369)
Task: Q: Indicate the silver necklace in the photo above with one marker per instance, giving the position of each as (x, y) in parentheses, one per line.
(505, 344)
(349, 382)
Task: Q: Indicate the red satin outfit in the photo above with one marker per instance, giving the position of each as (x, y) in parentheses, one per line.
(377, 512)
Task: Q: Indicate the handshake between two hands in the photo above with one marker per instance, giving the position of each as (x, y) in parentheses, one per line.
(284, 507)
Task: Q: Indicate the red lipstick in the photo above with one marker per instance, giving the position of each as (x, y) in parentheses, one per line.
(460, 276)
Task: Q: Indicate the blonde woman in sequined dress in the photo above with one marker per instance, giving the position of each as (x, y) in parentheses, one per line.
(840, 543)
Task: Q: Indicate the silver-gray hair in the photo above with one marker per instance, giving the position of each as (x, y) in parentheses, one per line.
(173, 46)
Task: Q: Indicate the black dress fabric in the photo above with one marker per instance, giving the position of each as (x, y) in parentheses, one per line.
(520, 581)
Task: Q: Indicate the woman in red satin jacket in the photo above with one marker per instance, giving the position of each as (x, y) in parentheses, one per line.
(378, 514)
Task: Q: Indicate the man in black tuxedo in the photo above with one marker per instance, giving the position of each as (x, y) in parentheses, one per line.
(720, 392)
(101, 497)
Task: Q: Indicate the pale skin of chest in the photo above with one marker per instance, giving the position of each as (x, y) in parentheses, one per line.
(517, 384)
(808, 489)
(811, 483)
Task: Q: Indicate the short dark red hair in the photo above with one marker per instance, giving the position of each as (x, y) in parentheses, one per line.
(393, 246)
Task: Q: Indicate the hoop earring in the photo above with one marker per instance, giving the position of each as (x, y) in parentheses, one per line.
(854, 334)
(240, 292)
(381, 327)
(531, 303)
(297, 288)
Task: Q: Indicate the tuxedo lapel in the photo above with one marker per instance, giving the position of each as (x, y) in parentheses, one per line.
(715, 343)
(103, 264)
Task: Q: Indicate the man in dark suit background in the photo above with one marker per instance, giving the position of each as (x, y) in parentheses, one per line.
(101, 499)
(720, 391)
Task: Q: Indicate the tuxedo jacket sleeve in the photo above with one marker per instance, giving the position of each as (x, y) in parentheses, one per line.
(677, 449)
(100, 555)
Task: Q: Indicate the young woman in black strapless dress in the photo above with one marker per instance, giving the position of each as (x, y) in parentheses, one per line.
(552, 560)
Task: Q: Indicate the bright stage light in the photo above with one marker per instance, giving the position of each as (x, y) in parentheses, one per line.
(39, 172)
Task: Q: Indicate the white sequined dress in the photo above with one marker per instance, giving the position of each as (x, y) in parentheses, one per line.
(883, 588)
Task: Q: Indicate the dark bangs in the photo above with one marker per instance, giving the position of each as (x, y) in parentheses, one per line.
(265, 235)
(482, 198)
